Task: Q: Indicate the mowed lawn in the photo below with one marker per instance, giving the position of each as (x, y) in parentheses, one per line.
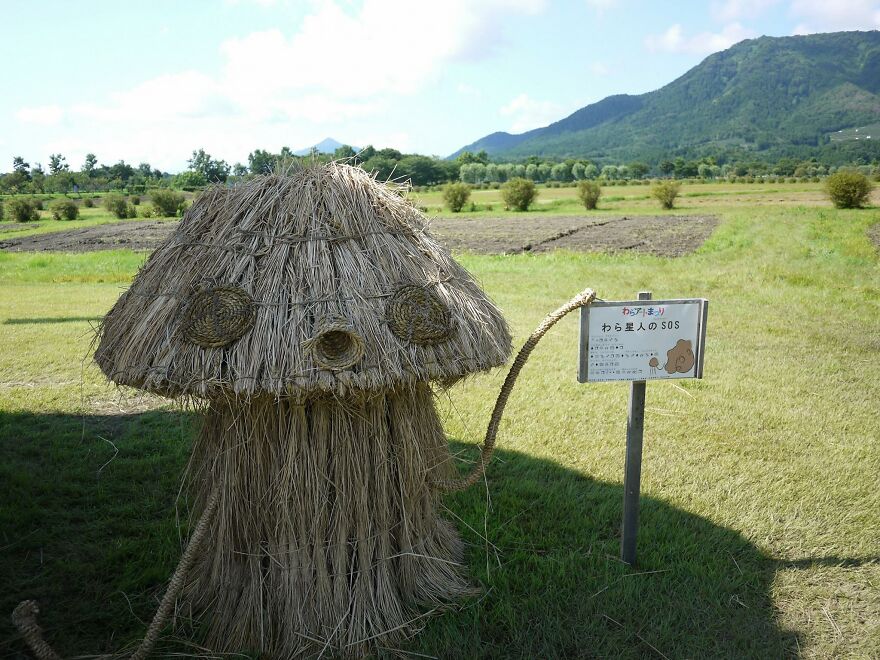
(760, 521)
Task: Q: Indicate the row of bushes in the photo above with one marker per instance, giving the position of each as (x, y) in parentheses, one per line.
(519, 194)
(846, 189)
(165, 204)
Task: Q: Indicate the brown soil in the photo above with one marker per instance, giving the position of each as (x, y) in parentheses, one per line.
(667, 236)
(136, 235)
(18, 226)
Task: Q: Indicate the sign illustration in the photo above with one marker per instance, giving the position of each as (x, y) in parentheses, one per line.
(642, 340)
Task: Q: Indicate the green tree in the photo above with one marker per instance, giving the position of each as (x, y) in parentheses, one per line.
(119, 206)
(89, 165)
(189, 180)
(22, 209)
(665, 192)
(345, 151)
(213, 170)
(57, 164)
(561, 172)
(456, 195)
(638, 170)
(261, 161)
(380, 167)
(518, 194)
(666, 167)
(168, 203)
(421, 170)
(848, 189)
(64, 209)
(589, 193)
(19, 165)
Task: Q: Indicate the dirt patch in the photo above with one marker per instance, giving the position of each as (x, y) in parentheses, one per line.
(18, 226)
(874, 235)
(662, 236)
(137, 235)
(667, 236)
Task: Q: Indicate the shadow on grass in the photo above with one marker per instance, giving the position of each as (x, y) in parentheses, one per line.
(88, 529)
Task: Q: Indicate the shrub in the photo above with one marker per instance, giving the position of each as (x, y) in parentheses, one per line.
(64, 209)
(666, 192)
(1, 209)
(147, 211)
(135, 200)
(168, 203)
(848, 190)
(588, 193)
(456, 196)
(518, 194)
(22, 209)
(37, 203)
(88, 202)
(118, 206)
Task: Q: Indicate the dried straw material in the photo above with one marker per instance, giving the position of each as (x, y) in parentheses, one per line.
(312, 309)
(321, 242)
(326, 535)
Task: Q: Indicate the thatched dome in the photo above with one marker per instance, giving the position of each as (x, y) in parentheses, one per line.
(318, 280)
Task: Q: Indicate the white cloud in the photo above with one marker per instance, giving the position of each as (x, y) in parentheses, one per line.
(732, 10)
(829, 16)
(527, 113)
(343, 62)
(600, 69)
(674, 40)
(45, 115)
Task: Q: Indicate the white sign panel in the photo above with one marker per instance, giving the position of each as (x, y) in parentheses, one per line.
(642, 340)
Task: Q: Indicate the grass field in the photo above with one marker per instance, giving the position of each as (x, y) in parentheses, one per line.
(760, 524)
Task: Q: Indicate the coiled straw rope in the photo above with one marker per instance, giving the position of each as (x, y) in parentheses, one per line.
(25, 615)
(582, 299)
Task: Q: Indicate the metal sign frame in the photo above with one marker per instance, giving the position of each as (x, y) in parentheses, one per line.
(584, 345)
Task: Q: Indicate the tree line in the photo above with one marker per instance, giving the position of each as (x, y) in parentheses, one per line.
(471, 168)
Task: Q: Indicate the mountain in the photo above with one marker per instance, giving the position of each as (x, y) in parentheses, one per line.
(325, 146)
(762, 98)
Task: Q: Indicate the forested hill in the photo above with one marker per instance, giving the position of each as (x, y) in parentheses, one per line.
(763, 98)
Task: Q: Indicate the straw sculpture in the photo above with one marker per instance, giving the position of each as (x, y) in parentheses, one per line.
(309, 312)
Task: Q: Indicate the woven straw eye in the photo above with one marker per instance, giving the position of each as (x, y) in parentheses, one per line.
(417, 315)
(217, 316)
(336, 346)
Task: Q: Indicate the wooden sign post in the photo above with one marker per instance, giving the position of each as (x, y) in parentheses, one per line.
(640, 340)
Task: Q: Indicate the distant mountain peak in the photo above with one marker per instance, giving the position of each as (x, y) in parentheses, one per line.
(325, 146)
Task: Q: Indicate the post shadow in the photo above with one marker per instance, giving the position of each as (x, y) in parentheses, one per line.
(89, 529)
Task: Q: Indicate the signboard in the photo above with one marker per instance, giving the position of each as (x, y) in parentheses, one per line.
(642, 340)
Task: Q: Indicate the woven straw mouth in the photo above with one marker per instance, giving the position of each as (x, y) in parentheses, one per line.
(336, 346)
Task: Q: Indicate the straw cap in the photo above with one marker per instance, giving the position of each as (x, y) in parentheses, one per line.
(317, 280)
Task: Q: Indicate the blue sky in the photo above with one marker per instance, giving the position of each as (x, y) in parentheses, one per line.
(154, 81)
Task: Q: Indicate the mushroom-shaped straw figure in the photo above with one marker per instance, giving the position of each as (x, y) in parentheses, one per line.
(310, 311)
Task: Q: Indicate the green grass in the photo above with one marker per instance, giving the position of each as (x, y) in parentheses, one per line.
(760, 531)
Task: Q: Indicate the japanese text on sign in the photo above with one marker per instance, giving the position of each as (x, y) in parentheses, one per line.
(642, 340)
